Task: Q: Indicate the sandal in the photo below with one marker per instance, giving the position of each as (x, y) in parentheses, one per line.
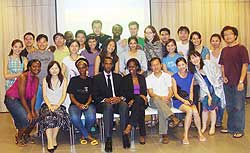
(238, 135)
(94, 142)
(83, 141)
(202, 138)
(165, 139)
(224, 131)
(185, 141)
(20, 141)
(28, 139)
(128, 129)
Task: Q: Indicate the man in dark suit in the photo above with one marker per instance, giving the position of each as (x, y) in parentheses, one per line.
(108, 99)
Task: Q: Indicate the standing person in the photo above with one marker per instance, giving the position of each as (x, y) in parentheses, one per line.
(183, 46)
(108, 99)
(183, 98)
(196, 40)
(209, 78)
(170, 57)
(135, 91)
(29, 40)
(81, 36)
(160, 91)
(61, 49)
(133, 29)
(164, 34)
(97, 31)
(121, 43)
(53, 114)
(234, 61)
(69, 69)
(20, 101)
(44, 56)
(80, 91)
(109, 50)
(153, 47)
(215, 52)
(133, 52)
(15, 64)
(91, 52)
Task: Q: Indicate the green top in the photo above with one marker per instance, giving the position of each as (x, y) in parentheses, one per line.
(141, 42)
(60, 54)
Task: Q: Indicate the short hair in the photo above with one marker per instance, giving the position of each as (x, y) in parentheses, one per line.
(132, 38)
(133, 23)
(80, 31)
(96, 21)
(195, 33)
(81, 59)
(138, 66)
(118, 26)
(107, 57)
(183, 28)
(215, 35)
(164, 29)
(154, 59)
(235, 31)
(58, 34)
(29, 33)
(40, 36)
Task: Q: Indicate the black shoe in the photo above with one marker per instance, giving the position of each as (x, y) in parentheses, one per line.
(50, 150)
(108, 145)
(125, 141)
(55, 147)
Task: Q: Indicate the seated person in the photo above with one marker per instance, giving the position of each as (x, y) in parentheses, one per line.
(108, 100)
(183, 82)
(160, 91)
(79, 90)
(135, 92)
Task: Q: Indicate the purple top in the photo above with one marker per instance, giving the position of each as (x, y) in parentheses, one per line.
(136, 89)
(91, 59)
(30, 88)
(233, 58)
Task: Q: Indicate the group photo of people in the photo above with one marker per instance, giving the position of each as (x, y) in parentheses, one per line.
(50, 87)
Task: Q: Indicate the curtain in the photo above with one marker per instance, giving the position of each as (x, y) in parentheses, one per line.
(18, 17)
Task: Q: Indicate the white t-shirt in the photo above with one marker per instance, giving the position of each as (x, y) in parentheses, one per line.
(183, 48)
(160, 84)
(215, 59)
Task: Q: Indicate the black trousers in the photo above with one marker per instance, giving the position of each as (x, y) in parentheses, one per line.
(137, 115)
(108, 111)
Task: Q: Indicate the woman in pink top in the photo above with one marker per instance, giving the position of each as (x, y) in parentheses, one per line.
(20, 100)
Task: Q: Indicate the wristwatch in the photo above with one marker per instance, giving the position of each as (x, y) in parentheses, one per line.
(240, 81)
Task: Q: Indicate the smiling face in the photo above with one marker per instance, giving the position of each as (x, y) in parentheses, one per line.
(183, 35)
(82, 68)
(117, 30)
(17, 48)
(182, 66)
(149, 34)
(111, 47)
(81, 38)
(229, 36)
(35, 68)
(196, 40)
(171, 48)
(132, 44)
(164, 36)
(92, 44)
(215, 42)
(133, 29)
(42, 44)
(132, 68)
(107, 64)
(156, 66)
(195, 60)
(74, 48)
(97, 28)
(29, 40)
(54, 70)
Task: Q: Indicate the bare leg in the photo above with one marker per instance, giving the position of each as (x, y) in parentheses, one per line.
(187, 122)
(49, 138)
(197, 122)
(54, 135)
(213, 121)
(204, 121)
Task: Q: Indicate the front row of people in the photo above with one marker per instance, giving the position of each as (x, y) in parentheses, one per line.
(109, 93)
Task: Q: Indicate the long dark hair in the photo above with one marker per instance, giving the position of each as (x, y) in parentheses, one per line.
(191, 66)
(87, 44)
(12, 44)
(48, 77)
(169, 41)
(134, 60)
(103, 54)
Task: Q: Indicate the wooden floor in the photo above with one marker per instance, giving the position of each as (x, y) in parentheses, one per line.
(219, 143)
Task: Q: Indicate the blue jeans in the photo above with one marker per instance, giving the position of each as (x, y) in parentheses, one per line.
(39, 98)
(219, 115)
(17, 112)
(90, 118)
(235, 108)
